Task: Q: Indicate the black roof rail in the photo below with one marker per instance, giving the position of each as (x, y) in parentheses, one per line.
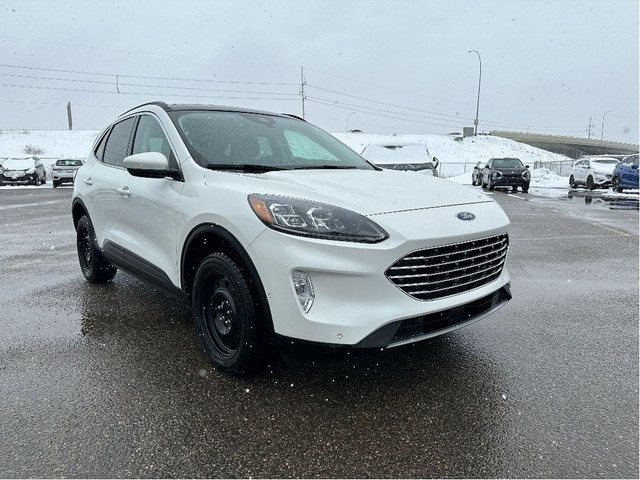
(293, 116)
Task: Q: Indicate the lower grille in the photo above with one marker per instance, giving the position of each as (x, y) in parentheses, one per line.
(448, 270)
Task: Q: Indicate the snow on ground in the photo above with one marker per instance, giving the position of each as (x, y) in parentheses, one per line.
(55, 143)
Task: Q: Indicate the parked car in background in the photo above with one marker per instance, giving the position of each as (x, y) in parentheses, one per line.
(274, 230)
(476, 175)
(64, 171)
(592, 172)
(625, 174)
(413, 157)
(506, 172)
(22, 171)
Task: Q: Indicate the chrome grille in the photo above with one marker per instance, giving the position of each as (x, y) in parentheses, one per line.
(448, 270)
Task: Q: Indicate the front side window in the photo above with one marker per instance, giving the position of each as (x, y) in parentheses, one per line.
(151, 138)
(240, 141)
(117, 144)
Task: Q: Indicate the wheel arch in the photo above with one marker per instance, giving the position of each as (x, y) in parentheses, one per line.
(78, 209)
(208, 238)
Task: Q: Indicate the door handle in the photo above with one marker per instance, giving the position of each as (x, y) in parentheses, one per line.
(88, 181)
(124, 191)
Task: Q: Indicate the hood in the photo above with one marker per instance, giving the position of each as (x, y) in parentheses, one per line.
(367, 192)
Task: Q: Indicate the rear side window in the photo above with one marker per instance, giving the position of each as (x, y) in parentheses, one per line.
(118, 142)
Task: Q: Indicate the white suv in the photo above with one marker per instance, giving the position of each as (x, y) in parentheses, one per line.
(273, 229)
(592, 172)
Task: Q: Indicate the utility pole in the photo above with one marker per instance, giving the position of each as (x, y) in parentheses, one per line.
(589, 130)
(302, 84)
(475, 122)
(69, 119)
(602, 130)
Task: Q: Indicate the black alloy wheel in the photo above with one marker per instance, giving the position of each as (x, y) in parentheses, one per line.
(95, 268)
(226, 315)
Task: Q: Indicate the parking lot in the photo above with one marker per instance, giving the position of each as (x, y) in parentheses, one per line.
(110, 380)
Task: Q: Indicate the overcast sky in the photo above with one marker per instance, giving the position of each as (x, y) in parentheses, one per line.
(392, 66)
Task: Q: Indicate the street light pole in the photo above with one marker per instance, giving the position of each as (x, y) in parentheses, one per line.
(602, 131)
(475, 123)
(352, 113)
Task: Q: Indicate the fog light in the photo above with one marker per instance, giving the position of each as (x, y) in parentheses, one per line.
(304, 289)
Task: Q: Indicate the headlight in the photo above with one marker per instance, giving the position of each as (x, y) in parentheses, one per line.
(315, 219)
(497, 174)
(526, 175)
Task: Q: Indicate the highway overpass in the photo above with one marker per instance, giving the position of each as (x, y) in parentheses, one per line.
(572, 147)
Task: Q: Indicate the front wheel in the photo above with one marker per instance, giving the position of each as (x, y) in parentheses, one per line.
(225, 314)
(525, 188)
(95, 268)
(590, 183)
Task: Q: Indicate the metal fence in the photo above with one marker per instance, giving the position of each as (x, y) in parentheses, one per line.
(562, 167)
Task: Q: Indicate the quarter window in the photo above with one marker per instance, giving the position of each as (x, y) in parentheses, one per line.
(117, 144)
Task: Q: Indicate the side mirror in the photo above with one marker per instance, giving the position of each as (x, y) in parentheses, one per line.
(149, 165)
(634, 166)
(526, 166)
(435, 162)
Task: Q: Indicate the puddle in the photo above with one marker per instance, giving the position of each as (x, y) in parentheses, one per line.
(612, 201)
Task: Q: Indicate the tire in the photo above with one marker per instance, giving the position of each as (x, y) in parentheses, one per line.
(44, 180)
(572, 182)
(35, 181)
(514, 189)
(525, 188)
(473, 181)
(95, 268)
(615, 185)
(226, 315)
(490, 185)
(590, 184)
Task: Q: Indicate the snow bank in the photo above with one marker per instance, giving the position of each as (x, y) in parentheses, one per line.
(55, 143)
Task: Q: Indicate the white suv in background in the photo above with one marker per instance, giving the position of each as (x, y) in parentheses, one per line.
(272, 228)
(593, 172)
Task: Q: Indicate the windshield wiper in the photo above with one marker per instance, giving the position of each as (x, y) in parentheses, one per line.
(326, 167)
(243, 167)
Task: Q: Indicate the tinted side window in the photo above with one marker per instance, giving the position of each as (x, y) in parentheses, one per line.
(99, 151)
(151, 138)
(116, 147)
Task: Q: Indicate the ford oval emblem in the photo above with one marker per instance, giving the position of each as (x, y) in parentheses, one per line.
(466, 216)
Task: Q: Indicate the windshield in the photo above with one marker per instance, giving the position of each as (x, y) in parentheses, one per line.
(17, 164)
(415, 153)
(260, 143)
(507, 163)
(69, 163)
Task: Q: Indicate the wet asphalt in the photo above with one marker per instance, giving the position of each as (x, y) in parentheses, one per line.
(110, 381)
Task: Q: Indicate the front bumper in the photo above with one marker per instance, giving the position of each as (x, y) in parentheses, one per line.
(510, 181)
(355, 303)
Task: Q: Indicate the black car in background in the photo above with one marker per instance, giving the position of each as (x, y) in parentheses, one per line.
(506, 172)
(22, 171)
(476, 175)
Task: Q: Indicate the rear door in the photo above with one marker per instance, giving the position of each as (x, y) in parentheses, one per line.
(103, 177)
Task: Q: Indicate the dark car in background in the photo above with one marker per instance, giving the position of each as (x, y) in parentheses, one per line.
(625, 174)
(22, 171)
(476, 175)
(506, 172)
(64, 171)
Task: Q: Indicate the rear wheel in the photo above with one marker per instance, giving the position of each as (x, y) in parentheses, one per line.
(95, 268)
(572, 182)
(225, 314)
(615, 185)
